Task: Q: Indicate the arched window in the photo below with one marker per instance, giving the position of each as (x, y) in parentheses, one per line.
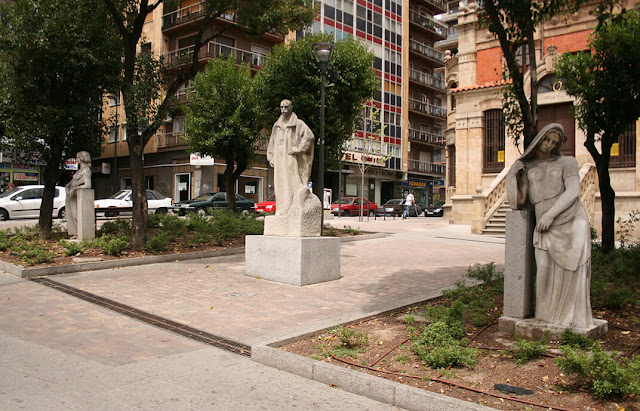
(493, 145)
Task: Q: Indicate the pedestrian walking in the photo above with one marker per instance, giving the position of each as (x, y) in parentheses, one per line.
(408, 202)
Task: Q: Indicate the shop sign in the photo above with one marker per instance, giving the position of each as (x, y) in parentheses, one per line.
(25, 176)
(71, 164)
(6, 166)
(438, 183)
(196, 159)
(24, 166)
(372, 159)
(416, 183)
(106, 168)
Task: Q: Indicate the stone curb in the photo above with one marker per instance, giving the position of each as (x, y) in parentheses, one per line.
(360, 383)
(127, 262)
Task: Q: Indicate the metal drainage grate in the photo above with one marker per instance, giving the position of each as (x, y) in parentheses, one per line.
(148, 318)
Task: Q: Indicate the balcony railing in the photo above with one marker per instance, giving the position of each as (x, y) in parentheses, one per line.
(426, 79)
(187, 14)
(426, 51)
(212, 49)
(440, 4)
(168, 140)
(429, 23)
(429, 138)
(425, 167)
(428, 109)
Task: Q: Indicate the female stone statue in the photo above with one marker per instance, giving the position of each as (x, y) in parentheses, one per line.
(549, 183)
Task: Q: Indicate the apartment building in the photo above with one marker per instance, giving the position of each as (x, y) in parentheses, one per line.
(478, 152)
(408, 109)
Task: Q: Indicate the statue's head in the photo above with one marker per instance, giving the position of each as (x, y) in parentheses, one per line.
(83, 157)
(285, 106)
(551, 134)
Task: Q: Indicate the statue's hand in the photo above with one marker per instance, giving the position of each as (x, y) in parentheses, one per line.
(293, 151)
(544, 223)
(517, 167)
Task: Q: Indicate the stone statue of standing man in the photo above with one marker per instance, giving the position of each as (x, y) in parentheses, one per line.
(79, 201)
(290, 153)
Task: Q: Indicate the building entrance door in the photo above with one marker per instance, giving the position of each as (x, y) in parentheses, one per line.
(182, 187)
(560, 113)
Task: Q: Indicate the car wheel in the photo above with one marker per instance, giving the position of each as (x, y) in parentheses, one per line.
(162, 211)
(371, 213)
(201, 211)
(4, 216)
(62, 213)
(345, 213)
(441, 213)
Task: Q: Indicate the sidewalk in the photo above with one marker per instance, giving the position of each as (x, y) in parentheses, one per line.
(143, 364)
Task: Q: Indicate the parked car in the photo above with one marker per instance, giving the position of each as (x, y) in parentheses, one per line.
(268, 206)
(395, 207)
(25, 202)
(436, 210)
(352, 205)
(205, 201)
(156, 202)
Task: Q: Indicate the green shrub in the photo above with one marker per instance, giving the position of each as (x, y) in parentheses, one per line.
(571, 339)
(330, 231)
(119, 226)
(36, 254)
(112, 244)
(154, 220)
(73, 247)
(438, 345)
(199, 238)
(172, 224)
(198, 223)
(526, 350)
(7, 240)
(614, 279)
(157, 243)
(351, 231)
(351, 338)
(606, 375)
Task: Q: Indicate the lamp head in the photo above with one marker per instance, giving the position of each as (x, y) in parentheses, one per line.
(323, 51)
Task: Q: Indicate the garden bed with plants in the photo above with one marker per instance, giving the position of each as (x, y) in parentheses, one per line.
(452, 346)
(166, 234)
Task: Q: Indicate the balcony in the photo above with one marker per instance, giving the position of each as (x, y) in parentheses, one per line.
(438, 6)
(426, 80)
(430, 110)
(183, 56)
(169, 140)
(428, 138)
(188, 14)
(426, 51)
(429, 23)
(417, 166)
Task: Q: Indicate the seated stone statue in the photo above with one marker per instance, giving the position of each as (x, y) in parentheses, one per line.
(549, 183)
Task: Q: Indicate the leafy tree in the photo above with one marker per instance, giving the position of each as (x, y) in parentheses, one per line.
(145, 115)
(292, 73)
(222, 118)
(606, 82)
(514, 23)
(57, 59)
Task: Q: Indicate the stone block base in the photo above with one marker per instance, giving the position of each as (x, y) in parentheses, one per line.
(293, 260)
(532, 328)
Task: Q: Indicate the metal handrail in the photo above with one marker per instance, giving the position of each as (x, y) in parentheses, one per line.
(426, 108)
(187, 14)
(426, 167)
(212, 49)
(428, 22)
(426, 79)
(426, 50)
(174, 139)
(424, 136)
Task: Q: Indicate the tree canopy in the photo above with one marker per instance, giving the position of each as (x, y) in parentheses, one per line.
(254, 17)
(222, 118)
(292, 73)
(606, 82)
(57, 59)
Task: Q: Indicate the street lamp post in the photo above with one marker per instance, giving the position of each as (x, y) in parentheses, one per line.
(323, 52)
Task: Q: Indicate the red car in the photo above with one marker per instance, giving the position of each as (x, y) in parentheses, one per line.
(268, 206)
(352, 205)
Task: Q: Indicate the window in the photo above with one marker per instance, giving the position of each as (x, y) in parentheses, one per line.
(224, 46)
(452, 166)
(124, 132)
(113, 134)
(493, 141)
(114, 99)
(623, 153)
(258, 54)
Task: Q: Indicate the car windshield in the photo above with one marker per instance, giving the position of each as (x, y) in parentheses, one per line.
(9, 192)
(203, 197)
(347, 200)
(395, 201)
(120, 194)
(438, 204)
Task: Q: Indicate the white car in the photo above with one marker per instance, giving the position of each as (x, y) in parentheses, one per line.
(122, 202)
(25, 202)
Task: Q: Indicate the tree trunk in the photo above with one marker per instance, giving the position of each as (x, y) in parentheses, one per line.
(230, 186)
(607, 197)
(138, 195)
(51, 175)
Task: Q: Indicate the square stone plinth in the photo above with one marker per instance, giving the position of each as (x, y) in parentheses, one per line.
(293, 260)
(532, 328)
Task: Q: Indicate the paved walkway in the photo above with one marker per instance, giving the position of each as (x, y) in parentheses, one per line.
(60, 352)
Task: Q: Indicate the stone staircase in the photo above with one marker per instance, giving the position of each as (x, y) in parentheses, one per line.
(496, 224)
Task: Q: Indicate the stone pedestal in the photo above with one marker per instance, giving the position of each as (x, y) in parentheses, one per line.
(84, 227)
(532, 328)
(519, 264)
(293, 260)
